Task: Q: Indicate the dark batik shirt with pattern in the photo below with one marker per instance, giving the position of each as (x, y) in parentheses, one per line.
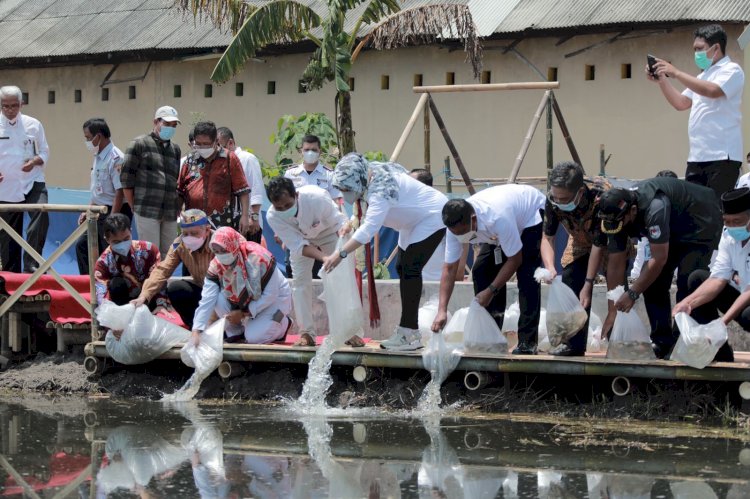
(151, 169)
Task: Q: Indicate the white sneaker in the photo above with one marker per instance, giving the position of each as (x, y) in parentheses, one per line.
(403, 339)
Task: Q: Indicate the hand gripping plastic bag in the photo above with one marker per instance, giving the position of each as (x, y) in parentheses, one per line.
(426, 316)
(144, 336)
(630, 337)
(205, 358)
(481, 334)
(698, 343)
(565, 314)
(341, 296)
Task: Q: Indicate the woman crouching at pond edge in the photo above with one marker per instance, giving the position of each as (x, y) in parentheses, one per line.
(244, 286)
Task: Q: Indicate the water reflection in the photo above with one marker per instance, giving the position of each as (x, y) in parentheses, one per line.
(136, 449)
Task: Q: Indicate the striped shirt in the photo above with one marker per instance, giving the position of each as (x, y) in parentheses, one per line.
(195, 261)
(151, 169)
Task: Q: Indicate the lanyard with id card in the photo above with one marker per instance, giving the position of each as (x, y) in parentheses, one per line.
(498, 252)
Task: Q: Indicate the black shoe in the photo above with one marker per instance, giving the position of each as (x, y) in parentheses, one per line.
(565, 351)
(524, 349)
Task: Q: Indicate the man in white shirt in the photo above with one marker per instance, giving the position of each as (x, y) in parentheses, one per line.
(24, 154)
(506, 221)
(311, 172)
(308, 222)
(254, 176)
(106, 189)
(711, 292)
(714, 98)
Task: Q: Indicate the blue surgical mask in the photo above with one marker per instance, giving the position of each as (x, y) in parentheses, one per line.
(288, 214)
(122, 248)
(738, 233)
(568, 207)
(702, 60)
(167, 132)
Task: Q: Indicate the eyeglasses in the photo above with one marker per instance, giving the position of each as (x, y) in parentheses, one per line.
(11, 106)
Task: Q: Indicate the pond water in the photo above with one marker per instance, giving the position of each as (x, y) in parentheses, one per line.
(115, 448)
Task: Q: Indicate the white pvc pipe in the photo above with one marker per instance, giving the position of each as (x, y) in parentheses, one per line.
(360, 374)
(229, 370)
(475, 380)
(621, 386)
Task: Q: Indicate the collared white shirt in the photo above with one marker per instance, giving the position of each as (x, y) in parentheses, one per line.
(743, 181)
(317, 217)
(416, 215)
(715, 125)
(503, 212)
(253, 174)
(321, 176)
(20, 142)
(732, 257)
(105, 175)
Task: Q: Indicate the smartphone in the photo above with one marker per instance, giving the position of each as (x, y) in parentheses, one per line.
(651, 62)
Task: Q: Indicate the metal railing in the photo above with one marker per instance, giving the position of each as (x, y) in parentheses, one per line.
(45, 266)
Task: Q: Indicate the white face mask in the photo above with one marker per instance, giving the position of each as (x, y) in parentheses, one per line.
(91, 147)
(226, 258)
(205, 152)
(287, 214)
(310, 157)
(466, 238)
(193, 243)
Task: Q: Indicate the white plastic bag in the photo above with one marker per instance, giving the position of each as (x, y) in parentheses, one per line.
(596, 343)
(426, 316)
(440, 358)
(205, 358)
(341, 296)
(630, 337)
(144, 336)
(565, 314)
(454, 329)
(698, 343)
(542, 339)
(510, 319)
(481, 334)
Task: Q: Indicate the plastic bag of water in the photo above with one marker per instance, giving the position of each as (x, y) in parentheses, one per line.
(565, 314)
(698, 343)
(481, 333)
(630, 337)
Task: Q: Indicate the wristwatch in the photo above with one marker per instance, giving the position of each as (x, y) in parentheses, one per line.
(493, 289)
(590, 280)
(343, 253)
(634, 295)
(254, 217)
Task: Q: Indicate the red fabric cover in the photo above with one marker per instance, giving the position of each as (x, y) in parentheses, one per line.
(63, 307)
(291, 338)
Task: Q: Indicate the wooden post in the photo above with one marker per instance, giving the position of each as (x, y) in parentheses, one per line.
(427, 138)
(92, 220)
(488, 87)
(448, 175)
(529, 136)
(550, 151)
(409, 126)
(565, 131)
(451, 146)
(602, 163)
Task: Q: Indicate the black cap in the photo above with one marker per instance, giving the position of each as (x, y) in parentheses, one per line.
(735, 201)
(613, 205)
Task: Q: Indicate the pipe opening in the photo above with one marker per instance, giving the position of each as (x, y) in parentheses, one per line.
(91, 364)
(89, 419)
(472, 439)
(359, 433)
(745, 390)
(360, 374)
(230, 369)
(621, 386)
(474, 380)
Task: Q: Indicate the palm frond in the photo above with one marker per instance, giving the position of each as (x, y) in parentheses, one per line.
(427, 24)
(378, 9)
(224, 14)
(280, 21)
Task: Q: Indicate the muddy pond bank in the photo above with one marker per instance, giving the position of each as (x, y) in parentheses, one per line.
(709, 403)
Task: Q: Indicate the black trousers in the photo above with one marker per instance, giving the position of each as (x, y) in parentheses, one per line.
(82, 245)
(485, 270)
(574, 276)
(721, 176)
(686, 258)
(184, 296)
(410, 263)
(36, 232)
(710, 311)
(10, 251)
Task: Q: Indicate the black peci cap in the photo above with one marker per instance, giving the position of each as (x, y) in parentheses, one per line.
(735, 201)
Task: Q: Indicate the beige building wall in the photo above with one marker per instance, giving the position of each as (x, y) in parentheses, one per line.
(628, 115)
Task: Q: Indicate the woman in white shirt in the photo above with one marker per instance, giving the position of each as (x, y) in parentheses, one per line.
(397, 201)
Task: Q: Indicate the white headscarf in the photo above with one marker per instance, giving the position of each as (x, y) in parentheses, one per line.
(352, 174)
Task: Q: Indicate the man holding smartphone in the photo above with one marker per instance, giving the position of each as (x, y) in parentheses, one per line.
(714, 98)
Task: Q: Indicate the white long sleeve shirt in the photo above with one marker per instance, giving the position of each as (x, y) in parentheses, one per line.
(503, 212)
(732, 257)
(20, 141)
(416, 215)
(317, 217)
(253, 174)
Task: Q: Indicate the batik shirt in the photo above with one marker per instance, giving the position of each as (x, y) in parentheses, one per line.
(135, 268)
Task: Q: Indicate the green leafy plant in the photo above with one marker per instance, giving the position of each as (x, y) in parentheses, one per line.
(290, 130)
(380, 24)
